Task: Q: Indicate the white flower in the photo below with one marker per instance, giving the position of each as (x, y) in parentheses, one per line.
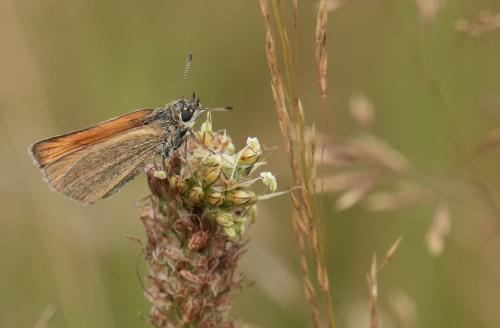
(269, 180)
(253, 143)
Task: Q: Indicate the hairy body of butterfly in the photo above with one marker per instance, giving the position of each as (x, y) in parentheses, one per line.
(94, 163)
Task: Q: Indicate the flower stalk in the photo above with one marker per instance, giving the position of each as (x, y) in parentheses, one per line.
(196, 226)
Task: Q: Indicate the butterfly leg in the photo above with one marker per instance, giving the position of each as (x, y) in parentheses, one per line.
(163, 154)
(185, 141)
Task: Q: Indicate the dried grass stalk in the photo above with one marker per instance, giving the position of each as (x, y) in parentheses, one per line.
(321, 55)
(486, 21)
(371, 278)
(301, 230)
(403, 307)
(373, 289)
(45, 317)
(439, 229)
(429, 9)
(301, 150)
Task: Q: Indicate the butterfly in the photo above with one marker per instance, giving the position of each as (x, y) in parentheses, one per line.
(94, 163)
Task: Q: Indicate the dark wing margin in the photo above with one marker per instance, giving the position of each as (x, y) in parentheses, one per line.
(50, 150)
(101, 169)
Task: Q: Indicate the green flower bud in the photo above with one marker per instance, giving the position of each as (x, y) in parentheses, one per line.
(177, 184)
(181, 186)
(241, 197)
(214, 198)
(208, 140)
(251, 153)
(212, 160)
(172, 181)
(224, 219)
(195, 195)
(206, 135)
(248, 156)
(210, 175)
(226, 145)
(253, 143)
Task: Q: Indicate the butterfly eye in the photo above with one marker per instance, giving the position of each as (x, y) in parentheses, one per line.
(186, 115)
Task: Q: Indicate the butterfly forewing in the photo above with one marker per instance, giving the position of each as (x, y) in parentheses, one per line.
(50, 150)
(97, 171)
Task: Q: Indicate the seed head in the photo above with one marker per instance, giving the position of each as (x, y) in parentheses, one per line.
(202, 205)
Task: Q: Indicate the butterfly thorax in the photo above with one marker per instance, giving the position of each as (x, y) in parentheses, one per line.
(176, 119)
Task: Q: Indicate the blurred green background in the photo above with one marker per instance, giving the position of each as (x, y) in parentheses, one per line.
(65, 65)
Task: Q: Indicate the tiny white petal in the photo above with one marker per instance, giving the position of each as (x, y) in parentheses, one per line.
(253, 143)
(269, 180)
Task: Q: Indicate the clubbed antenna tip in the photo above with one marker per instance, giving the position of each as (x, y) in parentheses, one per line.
(221, 109)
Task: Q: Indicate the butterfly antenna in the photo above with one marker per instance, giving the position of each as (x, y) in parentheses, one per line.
(186, 73)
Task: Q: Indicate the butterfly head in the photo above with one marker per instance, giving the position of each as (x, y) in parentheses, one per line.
(186, 111)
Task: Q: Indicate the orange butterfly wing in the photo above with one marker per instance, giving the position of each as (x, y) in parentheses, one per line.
(50, 150)
(99, 170)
